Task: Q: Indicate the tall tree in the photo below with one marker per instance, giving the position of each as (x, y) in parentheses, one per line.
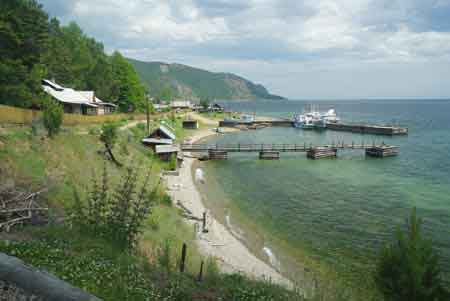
(130, 93)
(23, 40)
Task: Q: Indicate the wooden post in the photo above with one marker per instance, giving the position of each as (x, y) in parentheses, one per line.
(183, 258)
(148, 116)
(204, 222)
(200, 274)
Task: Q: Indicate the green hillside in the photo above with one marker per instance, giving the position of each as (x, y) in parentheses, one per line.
(189, 82)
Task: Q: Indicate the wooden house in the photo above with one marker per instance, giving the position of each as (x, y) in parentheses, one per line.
(160, 136)
(215, 107)
(77, 102)
(181, 105)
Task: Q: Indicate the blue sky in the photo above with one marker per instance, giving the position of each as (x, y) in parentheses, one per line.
(302, 49)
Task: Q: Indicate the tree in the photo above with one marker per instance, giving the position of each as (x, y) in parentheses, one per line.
(52, 117)
(23, 40)
(408, 268)
(109, 138)
(129, 91)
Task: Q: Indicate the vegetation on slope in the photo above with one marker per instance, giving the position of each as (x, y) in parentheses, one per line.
(189, 82)
(34, 47)
(71, 161)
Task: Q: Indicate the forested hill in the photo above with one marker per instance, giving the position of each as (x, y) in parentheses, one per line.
(188, 82)
(34, 47)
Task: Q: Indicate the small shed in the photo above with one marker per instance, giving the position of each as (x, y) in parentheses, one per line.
(160, 136)
(190, 124)
(167, 152)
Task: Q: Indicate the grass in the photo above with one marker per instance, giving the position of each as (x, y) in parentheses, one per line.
(69, 162)
(98, 267)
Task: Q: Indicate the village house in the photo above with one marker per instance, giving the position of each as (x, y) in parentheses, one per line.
(77, 102)
(181, 105)
(160, 136)
(215, 107)
(160, 107)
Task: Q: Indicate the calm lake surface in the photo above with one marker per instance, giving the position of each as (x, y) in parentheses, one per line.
(336, 211)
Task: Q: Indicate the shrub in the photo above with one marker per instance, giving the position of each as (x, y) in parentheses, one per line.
(109, 134)
(109, 138)
(52, 117)
(408, 268)
(164, 255)
(118, 215)
(166, 200)
(173, 164)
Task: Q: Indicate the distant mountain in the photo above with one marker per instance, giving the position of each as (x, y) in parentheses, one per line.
(189, 82)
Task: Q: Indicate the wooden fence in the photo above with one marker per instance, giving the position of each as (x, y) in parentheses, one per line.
(13, 115)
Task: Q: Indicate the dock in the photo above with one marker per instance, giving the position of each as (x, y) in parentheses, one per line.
(368, 129)
(344, 127)
(272, 151)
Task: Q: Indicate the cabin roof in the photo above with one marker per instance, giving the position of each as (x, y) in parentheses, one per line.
(68, 95)
(157, 141)
(168, 134)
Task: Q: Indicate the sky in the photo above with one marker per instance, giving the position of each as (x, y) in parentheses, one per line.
(301, 49)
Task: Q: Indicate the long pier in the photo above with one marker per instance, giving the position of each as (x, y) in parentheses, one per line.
(346, 127)
(272, 151)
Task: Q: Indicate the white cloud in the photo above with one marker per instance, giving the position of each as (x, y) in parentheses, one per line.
(258, 37)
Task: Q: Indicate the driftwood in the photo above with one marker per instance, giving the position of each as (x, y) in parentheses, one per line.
(19, 207)
(187, 213)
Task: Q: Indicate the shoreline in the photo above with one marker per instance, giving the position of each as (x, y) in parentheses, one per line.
(232, 255)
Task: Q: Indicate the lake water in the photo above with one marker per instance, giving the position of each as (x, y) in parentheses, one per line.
(335, 211)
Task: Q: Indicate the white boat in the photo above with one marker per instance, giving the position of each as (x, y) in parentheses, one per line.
(330, 116)
(315, 119)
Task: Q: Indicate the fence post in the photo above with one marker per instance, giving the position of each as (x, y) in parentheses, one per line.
(204, 223)
(200, 274)
(183, 257)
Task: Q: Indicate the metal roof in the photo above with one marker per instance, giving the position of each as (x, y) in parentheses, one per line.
(168, 132)
(68, 95)
(157, 141)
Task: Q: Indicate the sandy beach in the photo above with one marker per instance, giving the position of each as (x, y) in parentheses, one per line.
(230, 253)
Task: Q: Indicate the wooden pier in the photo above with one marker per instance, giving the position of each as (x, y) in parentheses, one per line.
(272, 151)
(368, 129)
(345, 127)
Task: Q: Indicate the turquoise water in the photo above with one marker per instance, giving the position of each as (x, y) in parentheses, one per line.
(339, 210)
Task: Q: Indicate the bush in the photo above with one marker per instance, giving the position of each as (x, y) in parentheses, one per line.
(173, 164)
(118, 215)
(408, 268)
(52, 117)
(164, 255)
(109, 134)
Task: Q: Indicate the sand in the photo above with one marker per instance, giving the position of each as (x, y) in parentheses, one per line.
(231, 254)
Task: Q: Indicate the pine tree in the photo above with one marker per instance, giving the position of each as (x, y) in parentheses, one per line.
(408, 268)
